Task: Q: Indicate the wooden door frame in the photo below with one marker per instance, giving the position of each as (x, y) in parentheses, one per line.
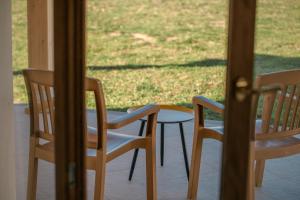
(69, 61)
(237, 139)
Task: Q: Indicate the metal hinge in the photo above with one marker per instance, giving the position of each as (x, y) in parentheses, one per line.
(72, 176)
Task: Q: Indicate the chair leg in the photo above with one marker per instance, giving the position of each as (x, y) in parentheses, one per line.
(251, 179)
(259, 172)
(195, 167)
(162, 143)
(151, 170)
(136, 151)
(251, 186)
(186, 162)
(32, 171)
(100, 176)
(251, 193)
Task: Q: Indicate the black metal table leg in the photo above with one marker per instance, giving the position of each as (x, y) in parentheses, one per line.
(184, 150)
(136, 151)
(162, 143)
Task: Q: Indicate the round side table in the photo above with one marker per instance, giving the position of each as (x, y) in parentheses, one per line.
(168, 114)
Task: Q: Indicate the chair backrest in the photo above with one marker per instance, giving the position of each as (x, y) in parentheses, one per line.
(280, 109)
(40, 89)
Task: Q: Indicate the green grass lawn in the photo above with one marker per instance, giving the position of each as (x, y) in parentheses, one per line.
(168, 51)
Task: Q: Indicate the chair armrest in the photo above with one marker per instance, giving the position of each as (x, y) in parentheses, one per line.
(210, 104)
(133, 116)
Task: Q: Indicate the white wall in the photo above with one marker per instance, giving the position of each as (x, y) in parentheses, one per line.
(7, 142)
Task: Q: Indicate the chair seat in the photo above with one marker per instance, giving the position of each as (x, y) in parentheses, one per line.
(217, 132)
(114, 141)
(276, 148)
(267, 149)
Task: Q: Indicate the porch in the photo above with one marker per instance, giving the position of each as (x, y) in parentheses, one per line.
(281, 180)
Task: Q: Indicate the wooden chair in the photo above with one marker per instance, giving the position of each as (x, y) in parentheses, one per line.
(102, 145)
(275, 129)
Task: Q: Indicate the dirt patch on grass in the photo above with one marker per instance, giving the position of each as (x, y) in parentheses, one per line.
(144, 38)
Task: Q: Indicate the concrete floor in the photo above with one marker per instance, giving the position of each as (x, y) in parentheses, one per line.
(281, 180)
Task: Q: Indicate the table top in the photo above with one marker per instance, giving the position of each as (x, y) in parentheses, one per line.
(170, 114)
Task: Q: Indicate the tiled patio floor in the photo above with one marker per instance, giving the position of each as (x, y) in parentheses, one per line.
(281, 181)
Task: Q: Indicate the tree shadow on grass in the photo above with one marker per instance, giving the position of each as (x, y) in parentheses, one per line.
(17, 72)
(270, 63)
(202, 63)
(263, 62)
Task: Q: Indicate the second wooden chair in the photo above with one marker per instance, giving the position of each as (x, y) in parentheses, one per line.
(275, 128)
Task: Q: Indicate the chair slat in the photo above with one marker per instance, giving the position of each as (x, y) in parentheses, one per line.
(298, 123)
(35, 93)
(50, 106)
(288, 108)
(295, 108)
(268, 104)
(281, 99)
(44, 108)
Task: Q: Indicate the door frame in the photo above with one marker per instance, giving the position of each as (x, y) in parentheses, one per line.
(236, 166)
(69, 75)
